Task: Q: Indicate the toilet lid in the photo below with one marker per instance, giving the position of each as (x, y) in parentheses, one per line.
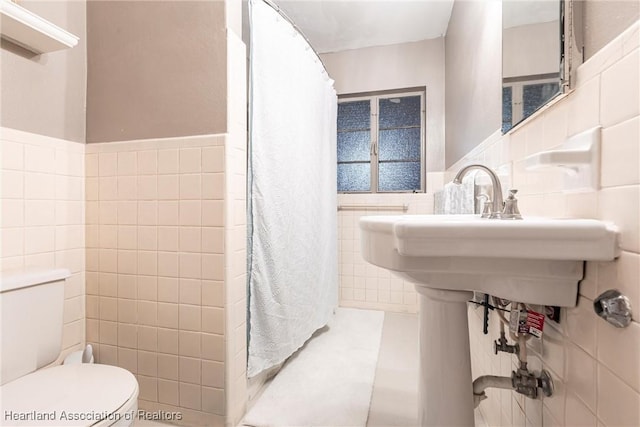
(69, 395)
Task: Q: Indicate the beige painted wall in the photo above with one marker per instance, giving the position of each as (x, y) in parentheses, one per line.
(46, 94)
(473, 76)
(396, 67)
(604, 20)
(156, 69)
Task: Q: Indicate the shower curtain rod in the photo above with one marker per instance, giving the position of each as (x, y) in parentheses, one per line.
(293, 24)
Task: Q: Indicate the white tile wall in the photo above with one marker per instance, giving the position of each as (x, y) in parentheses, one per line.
(234, 163)
(596, 367)
(363, 285)
(155, 270)
(42, 220)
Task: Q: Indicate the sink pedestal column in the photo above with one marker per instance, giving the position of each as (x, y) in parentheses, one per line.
(445, 389)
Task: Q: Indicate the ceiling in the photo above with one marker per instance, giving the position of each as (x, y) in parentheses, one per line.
(337, 25)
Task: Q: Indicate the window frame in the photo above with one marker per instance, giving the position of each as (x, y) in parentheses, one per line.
(374, 131)
(517, 85)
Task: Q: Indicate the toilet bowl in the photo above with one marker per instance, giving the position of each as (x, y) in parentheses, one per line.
(32, 394)
(71, 395)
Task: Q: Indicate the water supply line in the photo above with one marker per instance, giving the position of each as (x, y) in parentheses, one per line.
(501, 344)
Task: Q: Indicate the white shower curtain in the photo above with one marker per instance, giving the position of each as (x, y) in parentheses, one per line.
(293, 271)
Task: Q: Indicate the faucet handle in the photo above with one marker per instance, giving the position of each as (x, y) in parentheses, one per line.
(484, 203)
(487, 209)
(511, 210)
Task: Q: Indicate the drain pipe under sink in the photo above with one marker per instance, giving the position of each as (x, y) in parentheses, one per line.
(489, 381)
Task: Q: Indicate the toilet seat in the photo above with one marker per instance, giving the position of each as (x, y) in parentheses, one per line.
(71, 395)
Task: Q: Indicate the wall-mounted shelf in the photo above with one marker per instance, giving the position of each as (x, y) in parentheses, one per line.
(26, 29)
(579, 157)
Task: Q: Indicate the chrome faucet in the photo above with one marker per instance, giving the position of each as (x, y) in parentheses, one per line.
(497, 203)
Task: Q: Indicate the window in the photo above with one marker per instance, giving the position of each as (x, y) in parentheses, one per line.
(381, 142)
(522, 97)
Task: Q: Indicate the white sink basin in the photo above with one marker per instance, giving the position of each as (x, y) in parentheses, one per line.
(534, 260)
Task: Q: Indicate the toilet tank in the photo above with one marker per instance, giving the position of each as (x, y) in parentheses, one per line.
(31, 309)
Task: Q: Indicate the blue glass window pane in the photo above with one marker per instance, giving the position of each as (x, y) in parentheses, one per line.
(353, 146)
(354, 176)
(507, 109)
(399, 176)
(399, 112)
(399, 144)
(535, 96)
(354, 115)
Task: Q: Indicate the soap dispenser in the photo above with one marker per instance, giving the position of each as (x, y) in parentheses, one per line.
(510, 210)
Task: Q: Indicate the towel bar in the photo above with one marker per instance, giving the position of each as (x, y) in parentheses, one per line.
(402, 208)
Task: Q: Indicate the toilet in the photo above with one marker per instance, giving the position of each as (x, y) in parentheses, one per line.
(31, 306)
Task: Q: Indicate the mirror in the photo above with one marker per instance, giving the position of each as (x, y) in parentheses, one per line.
(532, 49)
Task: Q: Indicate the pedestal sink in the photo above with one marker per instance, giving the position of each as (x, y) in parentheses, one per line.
(533, 261)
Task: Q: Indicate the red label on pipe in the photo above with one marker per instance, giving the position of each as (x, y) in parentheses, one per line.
(526, 322)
